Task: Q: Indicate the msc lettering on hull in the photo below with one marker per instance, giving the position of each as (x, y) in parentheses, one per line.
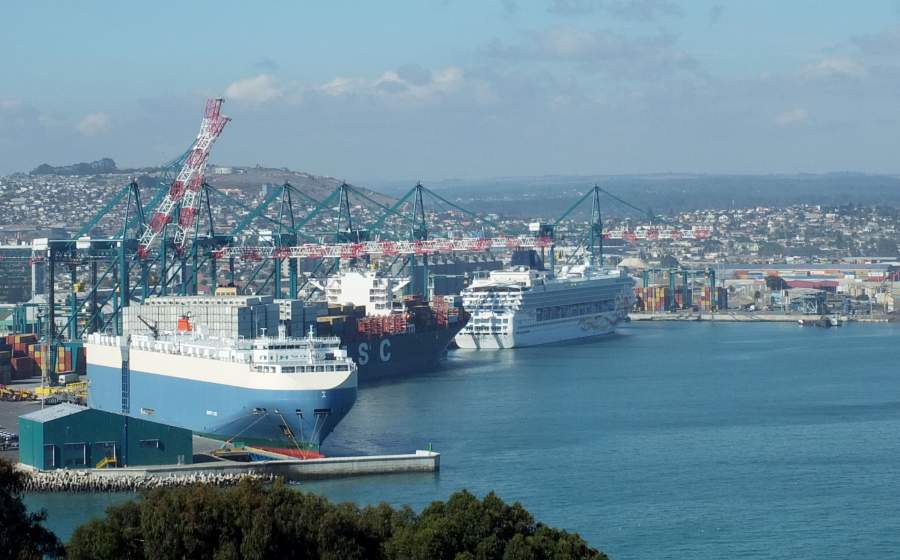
(384, 351)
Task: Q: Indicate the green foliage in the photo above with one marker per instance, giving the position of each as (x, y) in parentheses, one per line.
(21, 534)
(254, 521)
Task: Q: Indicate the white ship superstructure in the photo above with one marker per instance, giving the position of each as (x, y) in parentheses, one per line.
(378, 293)
(528, 307)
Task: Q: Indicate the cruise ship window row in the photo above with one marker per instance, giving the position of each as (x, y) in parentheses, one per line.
(493, 329)
(573, 310)
(302, 369)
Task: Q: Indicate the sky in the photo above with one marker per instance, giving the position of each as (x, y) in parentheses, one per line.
(441, 89)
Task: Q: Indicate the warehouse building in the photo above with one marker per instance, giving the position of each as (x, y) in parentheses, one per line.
(76, 437)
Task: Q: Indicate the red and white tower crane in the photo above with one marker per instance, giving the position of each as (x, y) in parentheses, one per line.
(186, 187)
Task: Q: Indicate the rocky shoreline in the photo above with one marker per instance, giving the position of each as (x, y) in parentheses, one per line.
(85, 481)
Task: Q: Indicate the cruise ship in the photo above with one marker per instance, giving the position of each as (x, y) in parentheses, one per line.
(269, 391)
(526, 306)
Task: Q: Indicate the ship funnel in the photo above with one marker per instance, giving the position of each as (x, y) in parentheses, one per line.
(184, 324)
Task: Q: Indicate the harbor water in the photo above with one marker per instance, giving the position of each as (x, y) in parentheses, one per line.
(666, 440)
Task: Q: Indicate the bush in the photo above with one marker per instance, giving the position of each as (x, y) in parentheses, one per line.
(254, 521)
(22, 534)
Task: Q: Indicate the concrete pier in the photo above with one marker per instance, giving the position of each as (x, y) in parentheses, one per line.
(731, 316)
(224, 472)
(748, 317)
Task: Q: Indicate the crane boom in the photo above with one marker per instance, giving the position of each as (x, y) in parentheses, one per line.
(185, 188)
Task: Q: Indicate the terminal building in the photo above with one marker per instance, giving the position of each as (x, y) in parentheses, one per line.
(68, 436)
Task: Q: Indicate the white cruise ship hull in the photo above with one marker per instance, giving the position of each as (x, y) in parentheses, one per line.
(528, 307)
(566, 330)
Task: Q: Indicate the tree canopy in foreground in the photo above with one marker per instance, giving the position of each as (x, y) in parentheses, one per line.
(255, 521)
(22, 536)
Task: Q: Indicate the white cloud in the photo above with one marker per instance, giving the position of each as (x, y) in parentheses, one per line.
(835, 66)
(604, 51)
(792, 117)
(256, 90)
(404, 82)
(342, 86)
(628, 10)
(448, 78)
(94, 124)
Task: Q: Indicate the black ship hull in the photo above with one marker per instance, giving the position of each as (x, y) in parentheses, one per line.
(401, 354)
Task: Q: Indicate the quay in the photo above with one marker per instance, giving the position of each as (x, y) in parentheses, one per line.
(745, 317)
(212, 464)
(225, 472)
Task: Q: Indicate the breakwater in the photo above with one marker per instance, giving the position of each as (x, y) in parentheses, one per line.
(226, 473)
(87, 481)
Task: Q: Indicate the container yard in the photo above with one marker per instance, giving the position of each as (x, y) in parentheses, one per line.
(658, 299)
(22, 357)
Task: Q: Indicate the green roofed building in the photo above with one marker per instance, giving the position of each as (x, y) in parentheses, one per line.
(76, 437)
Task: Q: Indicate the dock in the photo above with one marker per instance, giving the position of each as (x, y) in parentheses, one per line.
(748, 317)
(729, 316)
(293, 469)
(224, 472)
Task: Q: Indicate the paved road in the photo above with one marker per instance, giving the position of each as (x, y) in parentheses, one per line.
(9, 421)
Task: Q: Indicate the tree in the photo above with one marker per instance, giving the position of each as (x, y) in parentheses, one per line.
(254, 521)
(22, 534)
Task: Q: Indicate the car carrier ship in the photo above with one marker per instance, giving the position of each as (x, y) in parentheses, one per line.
(385, 333)
(268, 391)
(529, 306)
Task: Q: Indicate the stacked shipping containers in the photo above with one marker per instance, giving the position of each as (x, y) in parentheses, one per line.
(22, 359)
(5, 362)
(25, 357)
(658, 299)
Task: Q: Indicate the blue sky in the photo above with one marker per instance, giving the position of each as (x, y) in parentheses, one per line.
(429, 90)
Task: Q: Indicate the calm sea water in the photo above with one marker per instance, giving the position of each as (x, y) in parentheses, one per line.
(666, 440)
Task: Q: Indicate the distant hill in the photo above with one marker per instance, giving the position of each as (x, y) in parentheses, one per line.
(250, 178)
(667, 193)
(244, 178)
(103, 165)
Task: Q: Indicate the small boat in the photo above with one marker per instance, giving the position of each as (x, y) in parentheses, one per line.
(824, 321)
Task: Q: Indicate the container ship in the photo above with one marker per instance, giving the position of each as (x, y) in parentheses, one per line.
(271, 391)
(385, 333)
(529, 306)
